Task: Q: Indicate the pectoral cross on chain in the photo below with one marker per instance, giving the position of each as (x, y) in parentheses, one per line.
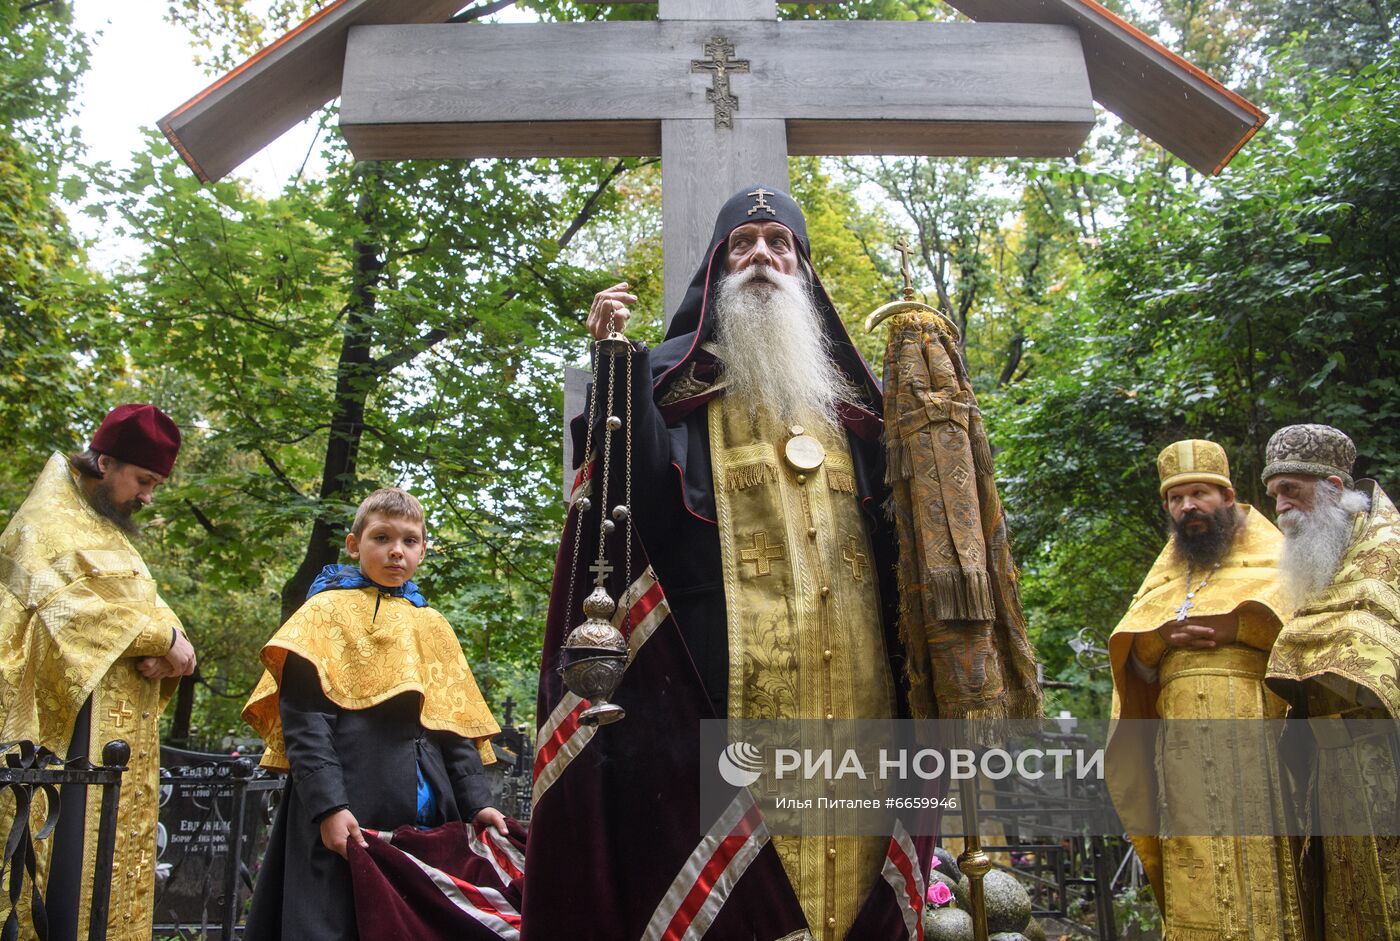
(1186, 605)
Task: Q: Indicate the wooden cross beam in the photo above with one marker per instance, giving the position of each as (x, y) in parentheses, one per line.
(723, 101)
(793, 99)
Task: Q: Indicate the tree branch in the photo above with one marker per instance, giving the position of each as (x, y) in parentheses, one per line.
(431, 338)
(590, 204)
(277, 472)
(199, 516)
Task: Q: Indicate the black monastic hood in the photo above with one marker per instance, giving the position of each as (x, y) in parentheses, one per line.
(694, 322)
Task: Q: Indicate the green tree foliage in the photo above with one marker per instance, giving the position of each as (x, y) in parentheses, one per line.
(1338, 36)
(408, 322)
(48, 298)
(1220, 311)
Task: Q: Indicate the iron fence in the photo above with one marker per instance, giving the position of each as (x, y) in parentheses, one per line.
(30, 770)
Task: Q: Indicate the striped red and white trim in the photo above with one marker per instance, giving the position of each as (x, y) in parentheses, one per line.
(496, 849)
(562, 737)
(906, 877)
(583, 484)
(486, 906)
(704, 883)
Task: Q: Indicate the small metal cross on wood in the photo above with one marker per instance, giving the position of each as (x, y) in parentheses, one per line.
(718, 51)
(601, 569)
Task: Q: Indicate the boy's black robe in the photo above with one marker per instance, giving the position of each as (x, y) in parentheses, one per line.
(361, 758)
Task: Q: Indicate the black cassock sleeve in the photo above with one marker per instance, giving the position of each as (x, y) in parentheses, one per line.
(308, 728)
(465, 772)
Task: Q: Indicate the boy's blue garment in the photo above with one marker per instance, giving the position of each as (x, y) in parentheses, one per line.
(350, 576)
(427, 802)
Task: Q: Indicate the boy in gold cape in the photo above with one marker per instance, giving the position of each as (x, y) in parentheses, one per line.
(369, 703)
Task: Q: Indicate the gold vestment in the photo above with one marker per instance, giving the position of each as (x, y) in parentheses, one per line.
(78, 608)
(1339, 657)
(368, 647)
(1208, 886)
(806, 639)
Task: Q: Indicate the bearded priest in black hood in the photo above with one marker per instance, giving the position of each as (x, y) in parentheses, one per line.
(757, 491)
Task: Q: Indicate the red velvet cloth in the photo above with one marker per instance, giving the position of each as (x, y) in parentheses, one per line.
(453, 883)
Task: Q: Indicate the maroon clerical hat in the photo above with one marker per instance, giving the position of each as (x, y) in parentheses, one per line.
(139, 434)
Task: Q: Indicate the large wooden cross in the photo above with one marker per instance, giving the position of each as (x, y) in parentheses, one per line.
(720, 89)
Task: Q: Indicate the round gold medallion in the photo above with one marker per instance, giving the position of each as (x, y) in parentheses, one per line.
(804, 453)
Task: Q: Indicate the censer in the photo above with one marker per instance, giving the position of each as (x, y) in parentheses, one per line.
(594, 655)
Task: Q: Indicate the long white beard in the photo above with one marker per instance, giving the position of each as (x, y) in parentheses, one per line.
(776, 355)
(1314, 542)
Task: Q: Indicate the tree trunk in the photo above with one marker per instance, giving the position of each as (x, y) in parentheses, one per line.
(355, 376)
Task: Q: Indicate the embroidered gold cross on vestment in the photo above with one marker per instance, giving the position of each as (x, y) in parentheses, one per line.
(120, 713)
(760, 553)
(857, 560)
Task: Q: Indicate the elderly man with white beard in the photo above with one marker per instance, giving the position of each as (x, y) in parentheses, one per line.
(758, 477)
(1338, 657)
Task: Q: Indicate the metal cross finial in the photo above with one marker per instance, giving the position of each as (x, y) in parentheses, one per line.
(718, 51)
(602, 570)
(761, 204)
(902, 246)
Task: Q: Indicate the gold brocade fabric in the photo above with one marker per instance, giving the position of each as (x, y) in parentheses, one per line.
(1221, 887)
(1340, 654)
(78, 607)
(805, 634)
(960, 612)
(1360, 890)
(365, 657)
(1248, 584)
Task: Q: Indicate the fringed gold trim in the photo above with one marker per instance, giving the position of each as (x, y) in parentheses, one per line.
(981, 449)
(749, 475)
(891, 510)
(899, 464)
(1025, 704)
(961, 596)
(840, 481)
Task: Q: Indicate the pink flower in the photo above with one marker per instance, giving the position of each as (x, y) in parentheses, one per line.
(939, 894)
(935, 862)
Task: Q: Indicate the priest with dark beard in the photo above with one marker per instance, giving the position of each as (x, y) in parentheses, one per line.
(761, 587)
(1194, 645)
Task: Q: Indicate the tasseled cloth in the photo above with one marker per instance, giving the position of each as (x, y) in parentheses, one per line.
(960, 612)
